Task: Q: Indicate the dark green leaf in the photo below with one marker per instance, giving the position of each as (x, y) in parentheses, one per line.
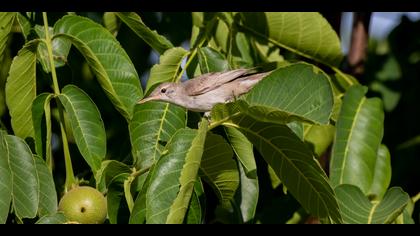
(6, 179)
(6, 23)
(151, 37)
(107, 59)
(243, 149)
(41, 106)
(359, 133)
(297, 92)
(57, 218)
(86, 124)
(116, 203)
(47, 193)
(153, 124)
(21, 90)
(108, 171)
(24, 177)
(357, 209)
(211, 60)
(138, 214)
(168, 69)
(306, 33)
(194, 213)
(24, 24)
(247, 196)
(289, 157)
(219, 168)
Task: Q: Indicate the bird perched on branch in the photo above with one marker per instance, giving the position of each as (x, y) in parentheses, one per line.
(200, 94)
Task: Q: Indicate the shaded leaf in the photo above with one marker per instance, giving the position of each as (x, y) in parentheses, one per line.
(111, 22)
(359, 132)
(116, 203)
(57, 218)
(86, 124)
(299, 92)
(211, 60)
(219, 168)
(243, 149)
(6, 23)
(138, 214)
(108, 171)
(297, 128)
(6, 179)
(194, 213)
(153, 124)
(168, 68)
(151, 37)
(382, 173)
(247, 196)
(46, 192)
(107, 59)
(21, 90)
(24, 25)
(60, 49)
(357, 209)
(24, 177)
(289, 157)
(306, 33)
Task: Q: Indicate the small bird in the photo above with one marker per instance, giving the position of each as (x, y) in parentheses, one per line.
(200, 94)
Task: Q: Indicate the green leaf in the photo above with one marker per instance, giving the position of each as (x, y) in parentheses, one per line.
(219, 168)
(299, 92)
(167, 180)
(319, 137)
(297, 128)
(60, 49)
(138, 214)
(21, 90)
(153, 124)
(357, 209)
(194, 213)
(57, 218)
(41, 106)
(108, 171)
(24, 177)
(24, 24)
(247, 196)
(116, 203)
(6, 23)
(6, 179)
(47, 194)
(359, 132)
(111, 22)
(151, 37)
(86, 124)
(275, 181)
(243, 149)
(107, 59)
(168, 69)
(306, 33)
(289, 157)
(211, 60)
(188, 176)
(382, 173)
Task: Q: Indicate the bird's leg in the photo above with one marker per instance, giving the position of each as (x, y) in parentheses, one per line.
(207, 116)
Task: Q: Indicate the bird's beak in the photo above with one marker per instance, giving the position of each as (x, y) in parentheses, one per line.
(150, 98)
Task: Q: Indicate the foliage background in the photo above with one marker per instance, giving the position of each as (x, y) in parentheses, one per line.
(392, 72)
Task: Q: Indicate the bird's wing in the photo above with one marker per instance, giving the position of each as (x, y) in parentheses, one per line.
(210, 81)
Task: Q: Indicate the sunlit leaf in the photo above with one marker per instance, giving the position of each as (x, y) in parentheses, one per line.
(297, 92)
(107, 59)
(86, 124)
(168, 68)
(359, 132)
(21, 90)
(306, 33)
(319, 137)
(357, 209)
(151, 37)
(211, 60)
(153, 124)
(111, 22)
(382, 173)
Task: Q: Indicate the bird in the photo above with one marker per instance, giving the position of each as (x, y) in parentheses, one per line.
(201, 93)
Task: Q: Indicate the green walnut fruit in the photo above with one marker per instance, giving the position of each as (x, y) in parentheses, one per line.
(84, 205)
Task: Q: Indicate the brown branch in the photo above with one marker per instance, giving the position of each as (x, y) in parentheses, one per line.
(359, 42)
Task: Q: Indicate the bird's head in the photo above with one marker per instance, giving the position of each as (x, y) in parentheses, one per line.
(164, 92)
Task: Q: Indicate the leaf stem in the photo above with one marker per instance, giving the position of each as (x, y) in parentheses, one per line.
(70, 180)
(416, 198)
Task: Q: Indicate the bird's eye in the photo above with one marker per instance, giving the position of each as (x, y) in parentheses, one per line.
(163, 90)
